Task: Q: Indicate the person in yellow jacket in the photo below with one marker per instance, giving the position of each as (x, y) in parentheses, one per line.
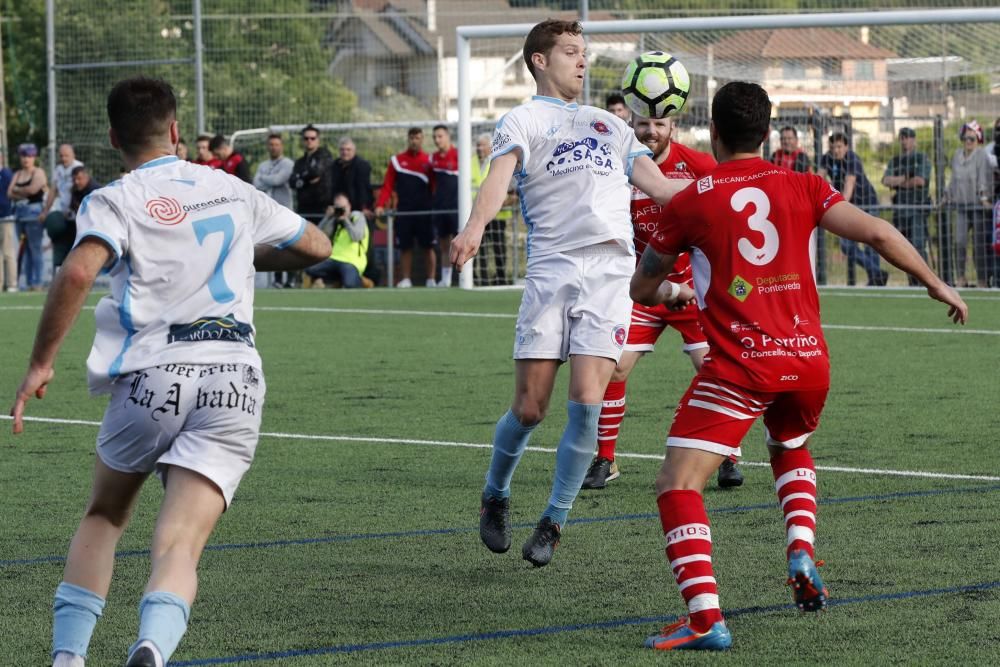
(348, 232)
(495, 236)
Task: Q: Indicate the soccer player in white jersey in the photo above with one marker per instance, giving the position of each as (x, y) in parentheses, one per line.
(175, 349)
(573, 164)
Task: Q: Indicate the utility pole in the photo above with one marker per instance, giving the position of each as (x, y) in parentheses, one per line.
(3, 101)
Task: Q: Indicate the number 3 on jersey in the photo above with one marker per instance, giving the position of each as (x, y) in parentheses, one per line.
(219, 224)
(758, 222)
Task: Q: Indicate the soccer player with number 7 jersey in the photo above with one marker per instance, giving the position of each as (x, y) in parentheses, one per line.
(175, 349)
(750, 228)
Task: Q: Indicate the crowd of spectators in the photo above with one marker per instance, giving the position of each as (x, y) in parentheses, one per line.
(420, 190)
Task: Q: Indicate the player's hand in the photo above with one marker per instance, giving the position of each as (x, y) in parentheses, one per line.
(35, 383)
(958, 311)
(379, 212)
(683, 299)
(464, 247)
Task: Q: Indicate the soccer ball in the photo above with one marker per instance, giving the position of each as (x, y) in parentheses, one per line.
(656, 85)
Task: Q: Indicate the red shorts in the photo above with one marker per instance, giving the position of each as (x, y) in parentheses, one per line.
(648, 323)
(715, 415)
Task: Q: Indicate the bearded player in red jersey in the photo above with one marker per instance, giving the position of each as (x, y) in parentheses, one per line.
(750, 227)
(675, 162)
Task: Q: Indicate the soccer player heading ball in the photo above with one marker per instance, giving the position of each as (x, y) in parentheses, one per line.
(753, 224)
(574, 165)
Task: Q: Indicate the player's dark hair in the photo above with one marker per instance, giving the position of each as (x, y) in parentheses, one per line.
(543, 37)
(414, 131)
(442, 127)
(839, 137)
(140, 110)
(202, 137)
(741, 112)
(309, 128)
(275, 135)
(217, 142)
(788, 128)
(613, 99)
(77, 170)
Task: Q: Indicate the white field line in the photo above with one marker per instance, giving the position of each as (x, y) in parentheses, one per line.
(548, 450)
(509, 316)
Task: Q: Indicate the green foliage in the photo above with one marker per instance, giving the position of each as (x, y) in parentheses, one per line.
(23, 25)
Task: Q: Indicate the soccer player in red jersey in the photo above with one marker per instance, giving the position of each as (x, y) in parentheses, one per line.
(749, 226)
(675, 161)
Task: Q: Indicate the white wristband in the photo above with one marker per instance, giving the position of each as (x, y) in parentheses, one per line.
(675, 289)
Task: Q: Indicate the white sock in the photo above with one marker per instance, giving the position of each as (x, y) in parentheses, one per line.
(446, 276)
(64, 659)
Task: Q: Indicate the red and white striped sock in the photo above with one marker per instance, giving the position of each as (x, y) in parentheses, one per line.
(795, 483)
(689, 550)
(612, 413)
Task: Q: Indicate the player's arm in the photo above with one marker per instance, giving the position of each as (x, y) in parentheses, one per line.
(65, 300)
(649, 285)
(852, 223)
(310, 248)
(647, 177)
(385, 192)
(492, 194)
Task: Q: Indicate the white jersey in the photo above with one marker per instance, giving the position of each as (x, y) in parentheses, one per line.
(183, 236)
(573, 178)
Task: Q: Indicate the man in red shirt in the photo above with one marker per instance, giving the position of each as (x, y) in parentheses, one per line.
(409, 177)
(204, 154)
(676, 162)
(749, 226)
(231, 162)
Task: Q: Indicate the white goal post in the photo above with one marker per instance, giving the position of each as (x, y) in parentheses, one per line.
(465, 34)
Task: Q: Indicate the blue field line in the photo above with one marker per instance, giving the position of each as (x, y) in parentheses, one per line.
(402, 534)
(560, 629)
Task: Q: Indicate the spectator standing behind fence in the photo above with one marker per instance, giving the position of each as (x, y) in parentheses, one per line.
(408, 176)
(273, 174)
(843, 168)
(909, 174)
(311, 177)
(8, 240)
(63, 234)
(615, 103)
(790, 156)
(232, 162)
(349, 235)
(495, 236)
(352, 175)
(182, 150)
(969, 195)
(53, 214)
(27, 194)
(204, 153)
(444, 167)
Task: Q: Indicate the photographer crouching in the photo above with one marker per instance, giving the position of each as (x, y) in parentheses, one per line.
(348, 232)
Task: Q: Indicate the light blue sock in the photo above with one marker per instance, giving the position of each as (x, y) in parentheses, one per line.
(163, 620)
(509, 440)
(576, 448)
(74, 614)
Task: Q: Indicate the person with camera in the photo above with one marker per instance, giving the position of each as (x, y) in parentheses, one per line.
(348, 232)
(909, 176)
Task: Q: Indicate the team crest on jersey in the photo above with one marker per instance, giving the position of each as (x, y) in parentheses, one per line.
(619, 334)
(681, 166)
(740, 289)
(211, 328)
(705, 184)
(165, 211)
(500, 140)
(600, 127)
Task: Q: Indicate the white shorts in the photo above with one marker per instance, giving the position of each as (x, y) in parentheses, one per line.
(203, 417)
(575, 302)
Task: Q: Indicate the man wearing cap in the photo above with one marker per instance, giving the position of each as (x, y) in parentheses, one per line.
(27, 194)
(909, 174)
